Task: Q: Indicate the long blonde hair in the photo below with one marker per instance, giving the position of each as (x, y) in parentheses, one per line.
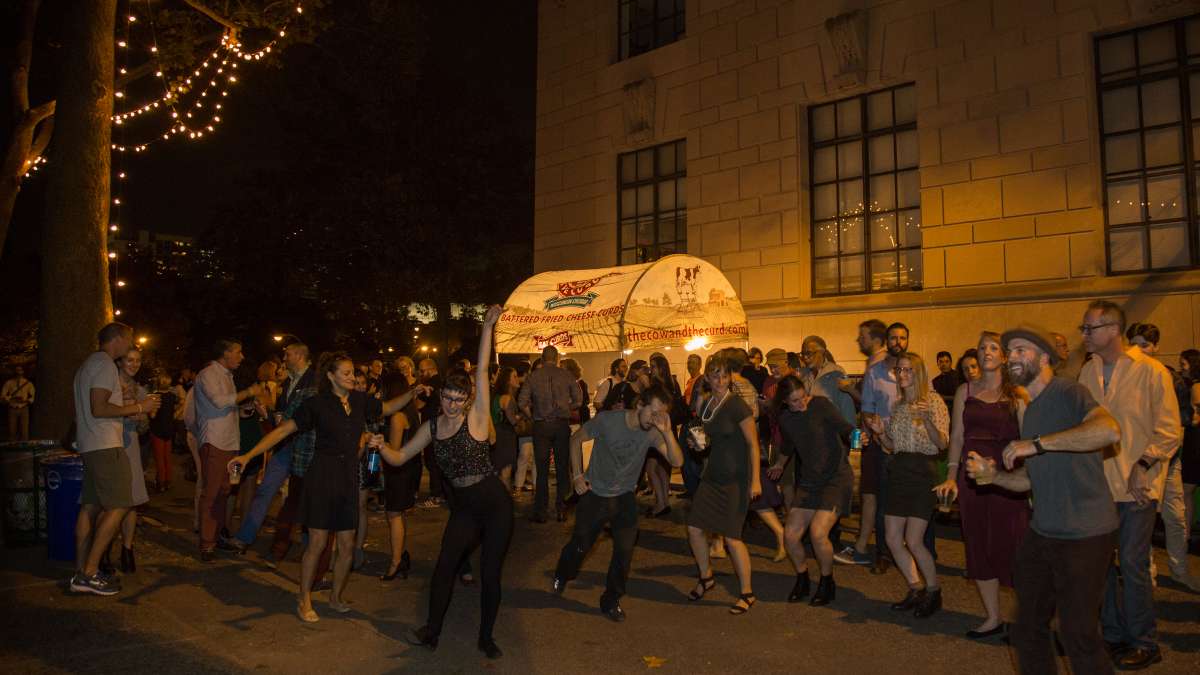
(920, 378)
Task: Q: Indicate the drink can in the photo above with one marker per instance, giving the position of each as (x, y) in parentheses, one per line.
(856, 439)
(373, 461)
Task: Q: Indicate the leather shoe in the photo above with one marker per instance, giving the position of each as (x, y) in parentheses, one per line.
(910, 601)
(801, 589)
(614, 613)
(489, 649)
(558, 586)
(999, 629)
(422, 637)
(1137, 658)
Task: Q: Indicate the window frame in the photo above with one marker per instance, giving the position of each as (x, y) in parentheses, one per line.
(678, 15)
(864, 136)
(680, 212)
(1180, 72)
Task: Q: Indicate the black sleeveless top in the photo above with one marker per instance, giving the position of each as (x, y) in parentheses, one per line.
(462, 459)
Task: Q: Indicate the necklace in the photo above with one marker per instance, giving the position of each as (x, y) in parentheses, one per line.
(706, 414)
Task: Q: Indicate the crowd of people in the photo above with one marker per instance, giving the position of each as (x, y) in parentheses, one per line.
(1059, 460)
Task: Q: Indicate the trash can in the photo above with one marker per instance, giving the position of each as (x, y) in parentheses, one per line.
(24, 517)
(64, 481)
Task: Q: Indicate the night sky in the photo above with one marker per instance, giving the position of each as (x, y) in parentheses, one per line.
(438, 97)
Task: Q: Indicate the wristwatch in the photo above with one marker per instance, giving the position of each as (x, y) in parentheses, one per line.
(1144, 464)
(1037, 443)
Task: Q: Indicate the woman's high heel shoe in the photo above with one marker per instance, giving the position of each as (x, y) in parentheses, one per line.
(128, 565)
(401, 569)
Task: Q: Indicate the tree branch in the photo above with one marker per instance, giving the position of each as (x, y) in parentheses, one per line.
(232, 27)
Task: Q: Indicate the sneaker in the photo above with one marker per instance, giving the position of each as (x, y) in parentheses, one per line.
(270, 561)
(94, 584)
(227, 544)
(845, 556)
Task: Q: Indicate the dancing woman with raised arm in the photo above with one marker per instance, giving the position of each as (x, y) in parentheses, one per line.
(329, 502)
(481, 511)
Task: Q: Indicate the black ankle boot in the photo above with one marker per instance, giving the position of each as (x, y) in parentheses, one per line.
(106, 565)
(800, 590)
(128, 565)
(489, 648)
(825, 591)
(910, 601)
(929, 605)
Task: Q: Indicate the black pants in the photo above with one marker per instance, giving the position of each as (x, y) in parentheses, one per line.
(1067, 575)
(481, 513)
(437, 485)
(552, 435)
(591, 514)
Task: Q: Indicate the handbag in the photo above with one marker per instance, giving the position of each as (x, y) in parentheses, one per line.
(523, 426)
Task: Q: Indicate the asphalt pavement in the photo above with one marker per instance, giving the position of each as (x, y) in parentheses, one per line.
(179, 615)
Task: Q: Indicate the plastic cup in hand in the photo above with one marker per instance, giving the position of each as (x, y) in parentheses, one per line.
(945, 499)
(235, 474)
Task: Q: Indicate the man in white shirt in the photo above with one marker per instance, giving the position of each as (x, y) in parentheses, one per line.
(17, 394)
(1139, 393)
(216, 402)
(107, 479)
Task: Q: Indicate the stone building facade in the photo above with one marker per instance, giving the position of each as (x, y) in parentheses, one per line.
(1036, 154)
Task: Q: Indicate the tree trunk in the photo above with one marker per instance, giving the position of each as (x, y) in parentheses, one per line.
(75, 298)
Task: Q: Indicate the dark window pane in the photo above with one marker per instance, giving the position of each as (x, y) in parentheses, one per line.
(1116, 54)
(652, 209)
(825, 276)
(1156, 45)
(852, 274)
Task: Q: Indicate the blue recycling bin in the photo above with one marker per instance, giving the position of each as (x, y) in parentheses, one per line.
(64, 482)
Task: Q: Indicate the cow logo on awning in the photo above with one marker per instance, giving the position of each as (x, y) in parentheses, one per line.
(576, 293)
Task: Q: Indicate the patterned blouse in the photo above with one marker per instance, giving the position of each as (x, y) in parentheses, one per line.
(907, 427)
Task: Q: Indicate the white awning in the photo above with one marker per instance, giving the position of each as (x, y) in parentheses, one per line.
(676, 301)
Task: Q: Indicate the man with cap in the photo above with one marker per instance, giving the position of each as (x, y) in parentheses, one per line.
(1140, 394)
(1062, 562)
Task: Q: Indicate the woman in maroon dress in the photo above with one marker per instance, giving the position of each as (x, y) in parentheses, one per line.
(984, 420)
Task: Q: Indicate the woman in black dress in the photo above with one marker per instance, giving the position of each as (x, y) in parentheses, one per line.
(730, 480)
(330, 499)
(400, 484)
(481, 510)
(817, 437)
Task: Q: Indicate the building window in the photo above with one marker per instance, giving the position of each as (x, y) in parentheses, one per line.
(652, 203)
(864, 152)
(644, 25)
(1149, 97)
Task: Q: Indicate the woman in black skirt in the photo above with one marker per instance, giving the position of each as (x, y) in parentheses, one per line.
(730, 480)
(918, 430)
(817, 438)
(481, 510)
(330, 499)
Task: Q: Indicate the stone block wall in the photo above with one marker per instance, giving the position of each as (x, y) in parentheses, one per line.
(1007, 122)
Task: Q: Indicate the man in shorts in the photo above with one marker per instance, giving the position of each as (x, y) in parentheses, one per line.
(107, 479)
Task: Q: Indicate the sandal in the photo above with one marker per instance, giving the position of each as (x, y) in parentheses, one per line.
(705, 585)
(307, 616)
(747, 598)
